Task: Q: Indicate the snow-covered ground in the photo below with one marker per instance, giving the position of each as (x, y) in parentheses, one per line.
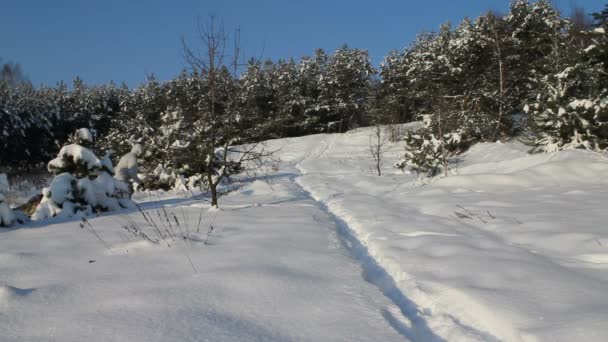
(511, 247)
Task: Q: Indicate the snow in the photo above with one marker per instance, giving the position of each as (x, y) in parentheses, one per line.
(55, 197)
(78, 153)
(61, 188)
(585, 103)
(106, 162)
(589, 48)
(509, 247)
(6, 214)
(4, 185)
(516, 268)
(84, 134)
(127, 169)
(275, 271)
(7, 217)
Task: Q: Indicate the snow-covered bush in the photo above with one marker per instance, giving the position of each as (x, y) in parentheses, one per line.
(6, 213)
(82, 184)
(169, 178)
(426, 153)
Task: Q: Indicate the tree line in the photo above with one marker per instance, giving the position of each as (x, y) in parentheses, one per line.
(529, 72)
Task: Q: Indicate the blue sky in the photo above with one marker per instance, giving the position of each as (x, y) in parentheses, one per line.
(123, 40)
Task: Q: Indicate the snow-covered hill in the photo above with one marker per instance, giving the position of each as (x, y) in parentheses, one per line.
(510, 247)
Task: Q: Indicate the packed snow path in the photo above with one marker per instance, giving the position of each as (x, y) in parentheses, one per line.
(411, 320)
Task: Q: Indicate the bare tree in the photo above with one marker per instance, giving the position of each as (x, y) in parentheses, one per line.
(378, 146)
(218, 128)
(12, 74)
(580, 22)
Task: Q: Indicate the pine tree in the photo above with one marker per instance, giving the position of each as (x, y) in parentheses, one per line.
(601, 18)
(83, 184)
(259, 105)
(394, 99)
(289, 98)
(571, 108)
(315, 108)
(347, 85)
(540, 41)
(427, 153)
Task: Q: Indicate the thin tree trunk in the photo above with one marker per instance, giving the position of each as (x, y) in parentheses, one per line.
(501, 86)
(378, 152)
(444, 159)
(213, 188)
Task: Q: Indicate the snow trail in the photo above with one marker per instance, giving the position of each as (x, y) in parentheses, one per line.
(410, 319)
(526, 255)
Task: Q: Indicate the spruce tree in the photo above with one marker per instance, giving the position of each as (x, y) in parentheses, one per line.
(347, 85)
(571, 108)
(83, 183)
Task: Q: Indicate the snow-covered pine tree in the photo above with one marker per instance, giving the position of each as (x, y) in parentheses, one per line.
(427, 152)
(23, 115)
(601, 18)
(394, 99)
(140, 121)
(170, 153)
(311, 75)
(258, 101)
(571, 108)
(437, 68)
(83, 184)
(347, 84)
(490, 97)
(289, 98)
(540, 41)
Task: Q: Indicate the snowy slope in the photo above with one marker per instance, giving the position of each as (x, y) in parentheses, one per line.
(274, 269)
(511, 247)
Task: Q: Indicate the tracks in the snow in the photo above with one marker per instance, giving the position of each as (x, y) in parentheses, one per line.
(406, 317)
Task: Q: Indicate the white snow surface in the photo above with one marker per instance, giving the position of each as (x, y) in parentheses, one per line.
(84, 134)
(78, 153)
(4, 185)
(509, 247)
(7, 217)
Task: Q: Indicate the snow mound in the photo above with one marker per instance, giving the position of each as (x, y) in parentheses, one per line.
(7, 217)
(84, 134)
(509, 165)
(78, 154)
(6, 213)
(4, 186)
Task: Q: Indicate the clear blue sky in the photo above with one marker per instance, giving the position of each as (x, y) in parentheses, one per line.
(122, 40)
